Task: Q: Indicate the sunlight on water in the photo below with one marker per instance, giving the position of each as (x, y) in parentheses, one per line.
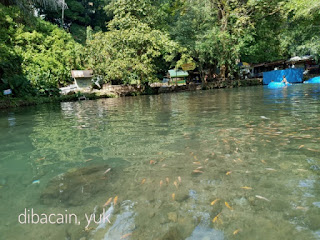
(222, 164)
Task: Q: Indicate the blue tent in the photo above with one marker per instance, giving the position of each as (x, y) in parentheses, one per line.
(293, 75)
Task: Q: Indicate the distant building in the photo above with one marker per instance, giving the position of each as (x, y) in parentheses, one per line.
(82, 78)
(177, 76)
(307, 63)
(258, 68)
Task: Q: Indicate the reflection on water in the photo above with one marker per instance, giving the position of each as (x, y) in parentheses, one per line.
(221, 164)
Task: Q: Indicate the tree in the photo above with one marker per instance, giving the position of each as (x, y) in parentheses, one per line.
(129, 51)
(41, 54)
(303, 30)
(28, 5)
(214, 32)
(79, 15)
(264, 43)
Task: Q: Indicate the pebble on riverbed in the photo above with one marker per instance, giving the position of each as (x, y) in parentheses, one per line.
(172, 216)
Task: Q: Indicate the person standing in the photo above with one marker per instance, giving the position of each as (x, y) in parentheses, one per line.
(284, 80)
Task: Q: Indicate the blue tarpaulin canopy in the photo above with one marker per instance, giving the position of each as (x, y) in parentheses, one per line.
(293, 75)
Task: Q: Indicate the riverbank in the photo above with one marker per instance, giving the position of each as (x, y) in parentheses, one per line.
(111, 91)
(8, 102)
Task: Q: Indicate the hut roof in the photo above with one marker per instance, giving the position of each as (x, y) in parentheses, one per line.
(81, 73)
(178, 73)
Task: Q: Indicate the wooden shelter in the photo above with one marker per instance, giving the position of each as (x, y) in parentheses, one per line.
(82, 78)
(178, 76)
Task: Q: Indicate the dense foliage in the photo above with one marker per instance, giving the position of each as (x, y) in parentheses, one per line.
(34, 55)
(127, 41)
(132, 50)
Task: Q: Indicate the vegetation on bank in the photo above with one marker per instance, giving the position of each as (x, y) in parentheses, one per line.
(36, 56)
(9, 102)
(126, 41)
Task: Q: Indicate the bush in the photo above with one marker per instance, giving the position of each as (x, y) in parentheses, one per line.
(37, 57)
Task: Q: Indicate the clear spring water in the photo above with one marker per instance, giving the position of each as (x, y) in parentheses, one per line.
(255, 151)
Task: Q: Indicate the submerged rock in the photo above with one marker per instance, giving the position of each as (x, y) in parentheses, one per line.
(76, 187)
(193, 194)
(241, 201)
(206, 233)
(173, 234)
(172, 216)
(315, 167)
(124, 224)
(307, 183)
(317, 204)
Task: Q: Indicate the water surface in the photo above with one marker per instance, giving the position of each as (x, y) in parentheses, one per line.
(255, 151)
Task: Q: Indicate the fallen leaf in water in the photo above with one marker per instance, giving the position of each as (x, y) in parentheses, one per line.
(301, 146)
(179, 178)
(88, 160)
(247, 188)
(229, 172)
(263, 161)
(161, 182)
(176, 184)
(195, 157)
(197, 163)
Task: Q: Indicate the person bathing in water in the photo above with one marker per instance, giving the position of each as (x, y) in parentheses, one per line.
(284, 80)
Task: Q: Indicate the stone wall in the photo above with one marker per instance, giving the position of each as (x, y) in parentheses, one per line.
(133, 90)
(120, 90)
